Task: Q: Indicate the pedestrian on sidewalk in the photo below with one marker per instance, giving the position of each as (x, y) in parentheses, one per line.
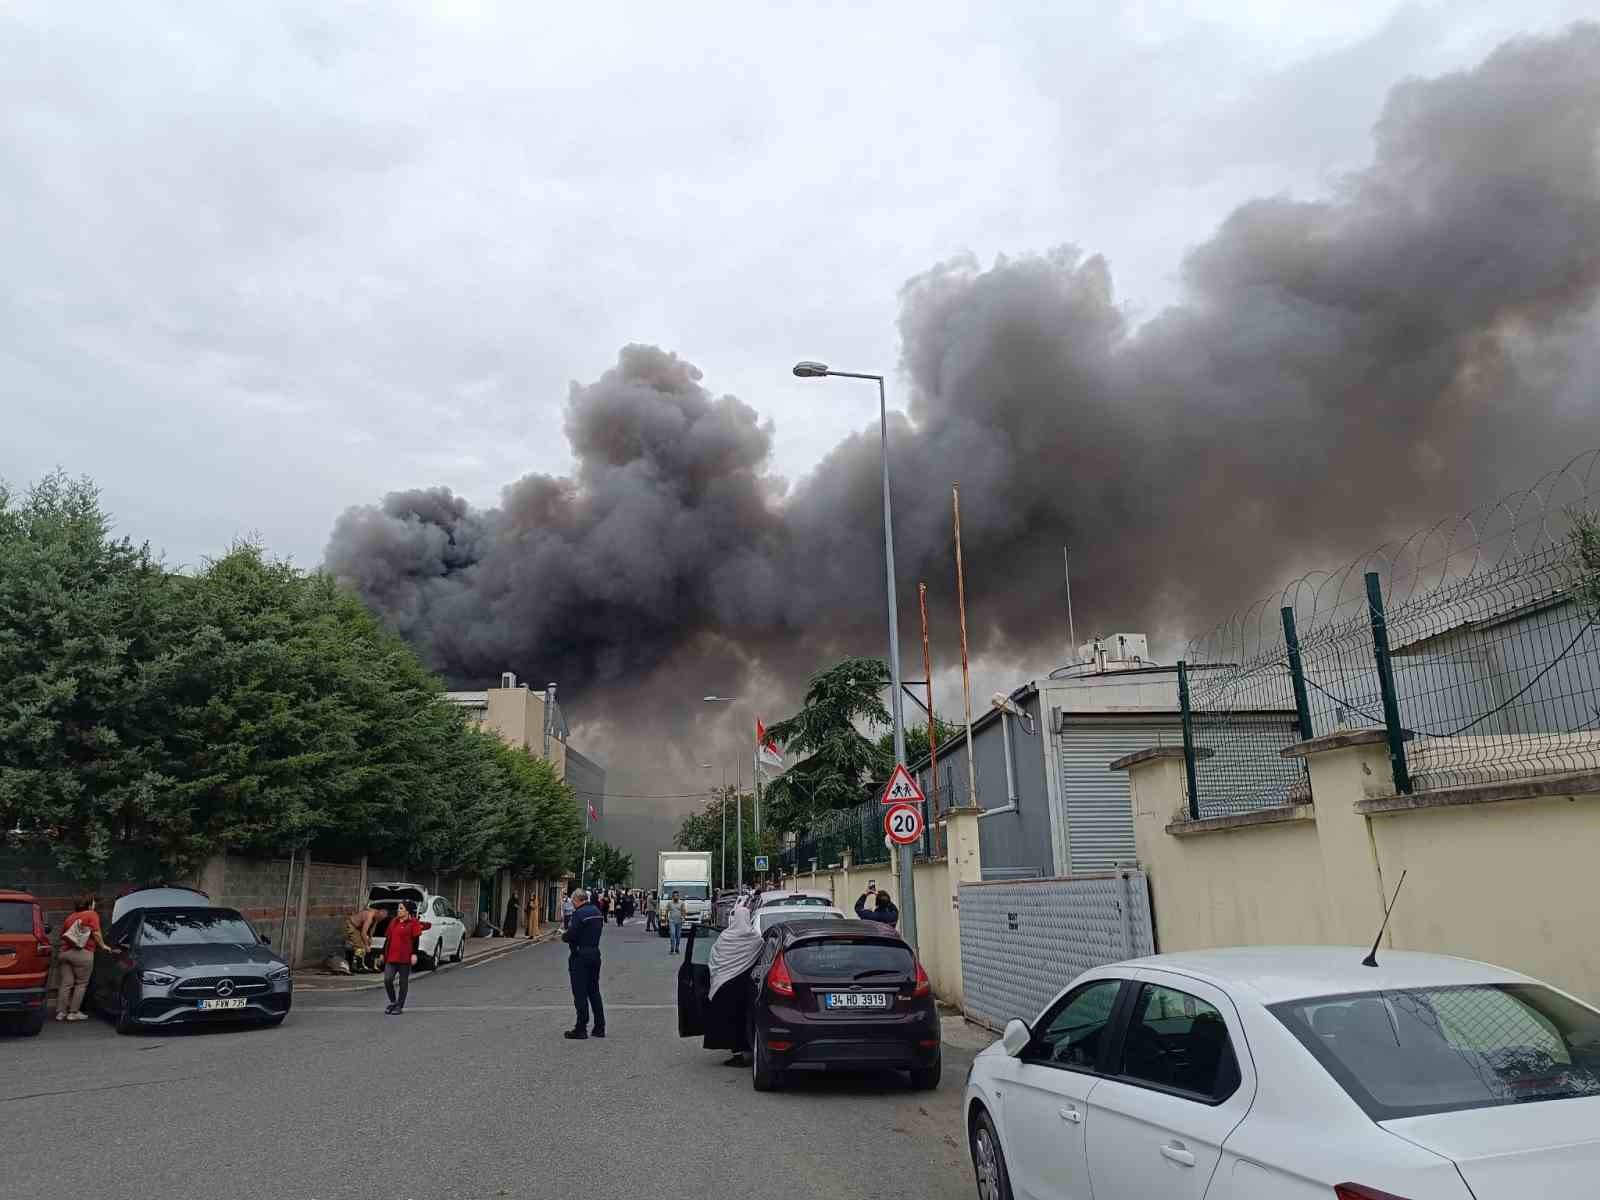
(80, 935)
(400, 955)
(882, 909)
(652, 919)
(583, 966)
(509, 929)
(675, 921)
(566, 910)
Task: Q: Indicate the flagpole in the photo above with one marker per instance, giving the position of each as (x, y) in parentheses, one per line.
(583, 870)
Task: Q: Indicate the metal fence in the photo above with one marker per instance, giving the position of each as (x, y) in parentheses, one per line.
(858, 829)
(1023, 941)
(1474, 646)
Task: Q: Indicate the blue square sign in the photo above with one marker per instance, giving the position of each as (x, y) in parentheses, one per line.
(761, 862)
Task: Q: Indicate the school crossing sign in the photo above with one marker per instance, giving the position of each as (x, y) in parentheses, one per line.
(902, 788)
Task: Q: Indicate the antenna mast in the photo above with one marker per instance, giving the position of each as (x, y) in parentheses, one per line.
(1371, 960)
(1066, 567)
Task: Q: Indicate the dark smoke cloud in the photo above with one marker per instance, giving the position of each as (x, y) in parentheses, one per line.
(1337, 371)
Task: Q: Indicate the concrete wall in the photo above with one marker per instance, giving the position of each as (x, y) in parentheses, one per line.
(1499, 872)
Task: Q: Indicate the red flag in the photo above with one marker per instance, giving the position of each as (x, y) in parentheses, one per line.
(767, 751)
(593, 816)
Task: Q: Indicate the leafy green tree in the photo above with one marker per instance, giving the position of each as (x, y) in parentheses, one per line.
(917, 739)
(1583, 559)
(837, 763)
(81, 613)
(606, 863)
(703, 831)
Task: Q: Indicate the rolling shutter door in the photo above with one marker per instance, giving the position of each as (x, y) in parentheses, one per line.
(1099, 807)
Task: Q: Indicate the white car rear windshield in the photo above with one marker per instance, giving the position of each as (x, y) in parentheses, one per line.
(797, 902)
(1416, 1051)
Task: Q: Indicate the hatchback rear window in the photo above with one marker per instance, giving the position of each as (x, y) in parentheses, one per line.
(1416, 1051)
(16, 916)
(848, 960)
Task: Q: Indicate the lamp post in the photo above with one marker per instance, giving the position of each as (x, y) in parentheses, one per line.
(722, 803)
(908, 889)
(738, 802)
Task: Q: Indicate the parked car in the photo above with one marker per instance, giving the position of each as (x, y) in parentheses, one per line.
(445, 942)
(824, 995)
(24, 963)
(769, 915)
(796, 899)
(1297, 1073)
(182, 960)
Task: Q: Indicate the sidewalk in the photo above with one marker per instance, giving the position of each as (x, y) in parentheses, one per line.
(479, 950)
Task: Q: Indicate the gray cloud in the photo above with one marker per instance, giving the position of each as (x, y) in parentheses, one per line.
(1336, 371)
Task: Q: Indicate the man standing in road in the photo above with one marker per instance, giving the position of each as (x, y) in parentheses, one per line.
(675, 921)
(583, 966)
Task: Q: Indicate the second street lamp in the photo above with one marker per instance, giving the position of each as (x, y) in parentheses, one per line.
(908, 886)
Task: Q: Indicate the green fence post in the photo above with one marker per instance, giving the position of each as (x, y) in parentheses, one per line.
(1302, 706)
(1188, 738)
(1391, 700)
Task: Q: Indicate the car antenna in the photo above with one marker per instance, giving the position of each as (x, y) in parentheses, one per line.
(1371, 960)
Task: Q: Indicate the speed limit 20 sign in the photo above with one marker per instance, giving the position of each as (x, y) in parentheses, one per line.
(903, 824)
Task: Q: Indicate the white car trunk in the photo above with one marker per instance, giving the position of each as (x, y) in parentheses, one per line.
(1548, 1149)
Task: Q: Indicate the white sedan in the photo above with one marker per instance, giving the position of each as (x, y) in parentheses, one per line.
(1292, 1073)
(445, 941)
(769, 915)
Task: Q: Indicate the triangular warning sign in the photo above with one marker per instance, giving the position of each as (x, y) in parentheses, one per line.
(902, 788)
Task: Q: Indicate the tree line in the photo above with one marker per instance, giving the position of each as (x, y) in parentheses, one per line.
(247, 705)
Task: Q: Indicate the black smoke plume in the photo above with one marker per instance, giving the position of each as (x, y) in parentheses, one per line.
(1337, 371)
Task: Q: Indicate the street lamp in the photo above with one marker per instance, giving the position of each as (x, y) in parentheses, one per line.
(908, 890)
(722, 804)
(738, 802)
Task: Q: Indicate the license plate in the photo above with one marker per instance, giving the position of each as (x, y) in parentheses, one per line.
(213, 1005)
(855, 1000)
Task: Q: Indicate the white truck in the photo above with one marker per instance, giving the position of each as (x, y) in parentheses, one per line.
(688, 873)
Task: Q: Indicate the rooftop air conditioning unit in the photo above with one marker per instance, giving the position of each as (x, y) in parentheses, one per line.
(508, 679)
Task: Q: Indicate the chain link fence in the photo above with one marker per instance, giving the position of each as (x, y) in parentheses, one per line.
(1473, 645)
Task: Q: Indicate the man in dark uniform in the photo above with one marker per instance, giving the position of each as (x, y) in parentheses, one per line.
(583, 965)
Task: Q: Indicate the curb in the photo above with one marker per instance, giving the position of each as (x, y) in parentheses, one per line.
(515, 944)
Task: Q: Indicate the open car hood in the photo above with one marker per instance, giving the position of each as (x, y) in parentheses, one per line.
(397, 891)
(158, 897)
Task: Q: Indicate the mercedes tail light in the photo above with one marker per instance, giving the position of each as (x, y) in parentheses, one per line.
(778, 978)
(924, 987)
(1355, 1191)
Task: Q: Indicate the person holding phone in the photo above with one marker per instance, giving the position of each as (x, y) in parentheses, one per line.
(400, 955)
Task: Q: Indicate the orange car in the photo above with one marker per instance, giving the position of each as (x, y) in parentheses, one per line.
(24, 963)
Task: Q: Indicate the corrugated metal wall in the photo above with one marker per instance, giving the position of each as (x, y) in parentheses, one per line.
(1099, 807)
(1022, 942)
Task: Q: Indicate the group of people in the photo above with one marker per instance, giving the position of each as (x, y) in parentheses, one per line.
(617, 904)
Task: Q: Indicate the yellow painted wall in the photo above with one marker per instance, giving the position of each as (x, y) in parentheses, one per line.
(1512, 883)
(1508, 882)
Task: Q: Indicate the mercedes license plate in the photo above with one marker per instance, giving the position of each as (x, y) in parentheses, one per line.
(210, 1005)
(855, 1000)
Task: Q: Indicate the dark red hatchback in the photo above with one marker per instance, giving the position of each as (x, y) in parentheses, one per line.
(24, 963)
(823, 995)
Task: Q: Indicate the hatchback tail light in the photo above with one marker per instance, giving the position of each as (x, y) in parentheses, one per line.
(1355, 1191)
(923, 987)
(778, 978)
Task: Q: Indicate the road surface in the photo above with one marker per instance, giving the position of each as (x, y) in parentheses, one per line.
(471, 1093)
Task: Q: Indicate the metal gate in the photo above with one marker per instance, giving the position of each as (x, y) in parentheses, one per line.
(1023, 941)
(1097, 800)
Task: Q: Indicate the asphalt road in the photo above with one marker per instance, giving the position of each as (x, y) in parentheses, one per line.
(471, 1093)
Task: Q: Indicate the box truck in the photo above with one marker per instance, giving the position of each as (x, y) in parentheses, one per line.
(687, 872)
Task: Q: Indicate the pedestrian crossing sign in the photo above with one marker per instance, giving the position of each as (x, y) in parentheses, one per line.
(902, 788)
(761, 862)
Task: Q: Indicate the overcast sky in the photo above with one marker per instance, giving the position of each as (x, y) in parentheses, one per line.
(263, 262)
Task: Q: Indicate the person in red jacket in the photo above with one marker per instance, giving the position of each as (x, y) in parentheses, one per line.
(400, 955)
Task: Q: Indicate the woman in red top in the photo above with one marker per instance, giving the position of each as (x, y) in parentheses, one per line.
(80, 937)
(400, 954)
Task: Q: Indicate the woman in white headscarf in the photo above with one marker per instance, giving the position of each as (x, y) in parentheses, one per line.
(735, 952)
